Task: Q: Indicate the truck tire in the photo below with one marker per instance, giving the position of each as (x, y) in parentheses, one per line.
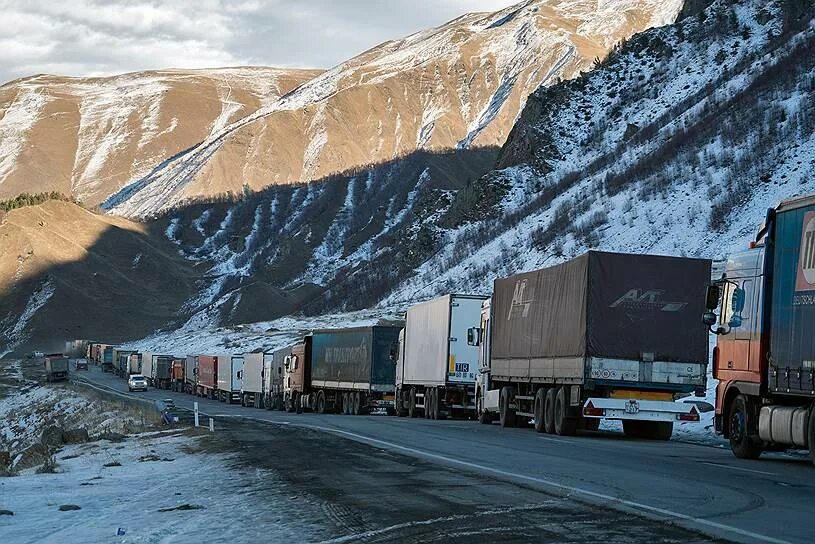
(430, 403)
(320, 402)
(549, 411)
(659, 430)
(811, 434)
(506, 414)
(356, 401)
(400, 404)
(540, 403)
(412, 410)
(740, 421)
(564, 425)
(298, 404)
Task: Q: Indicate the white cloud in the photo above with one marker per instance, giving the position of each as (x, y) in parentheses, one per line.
(92, 37)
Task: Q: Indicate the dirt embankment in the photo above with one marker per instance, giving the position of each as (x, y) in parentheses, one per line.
(366, 494)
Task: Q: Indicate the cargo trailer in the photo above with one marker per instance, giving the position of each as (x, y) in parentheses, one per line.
(207, 384)
(251, 378)
(177, 369)
(436, 368)
(229, 381)
(107, 358)
(161, 367)
(191, 374)
(134, 365)
(605, 335)
(56, 367)
(76, 348)
(351, 371)
(764, 357)
(273, 364)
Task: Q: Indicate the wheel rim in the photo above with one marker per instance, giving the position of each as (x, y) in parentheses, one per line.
(737, 426)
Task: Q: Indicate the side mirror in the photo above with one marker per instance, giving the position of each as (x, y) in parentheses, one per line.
(712, 296)
(473, 336)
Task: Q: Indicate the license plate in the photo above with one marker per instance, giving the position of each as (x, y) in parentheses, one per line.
(632, 407)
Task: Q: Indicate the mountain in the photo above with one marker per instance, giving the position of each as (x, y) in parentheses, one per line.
(69, 273)
(88, 137)
(677, 143)
(460, 85)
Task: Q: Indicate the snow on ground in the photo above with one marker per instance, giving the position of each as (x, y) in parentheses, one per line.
(195, 338)
(158, 471)
(16, 333)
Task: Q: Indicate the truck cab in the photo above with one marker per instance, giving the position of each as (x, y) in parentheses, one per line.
(762, 309)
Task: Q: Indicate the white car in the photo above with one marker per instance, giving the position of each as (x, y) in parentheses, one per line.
(137, 382)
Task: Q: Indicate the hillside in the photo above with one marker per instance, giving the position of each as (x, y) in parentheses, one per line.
(676, 144)
(87, 137)
(458, 86)
(68, 273)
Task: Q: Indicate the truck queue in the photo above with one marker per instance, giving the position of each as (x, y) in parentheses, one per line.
(602, 336)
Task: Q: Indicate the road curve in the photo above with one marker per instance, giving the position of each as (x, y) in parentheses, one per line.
(698, 487)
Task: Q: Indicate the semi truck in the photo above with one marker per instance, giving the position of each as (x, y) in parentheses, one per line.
(349, 371)
(207, 384)
(273, 364)
(436, 368)
(764, 357)
(56, 367)
(605, 335)
(251, 378)
(76, 348)
(177, 370)
(134, 365)
(229, 381)
(191, 374)
(107, 358)
(162, 371)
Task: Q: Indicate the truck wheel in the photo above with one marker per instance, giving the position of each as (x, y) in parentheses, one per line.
(659, 430)
(506, 414)
(412, 410)
(400, 404)
(540, 403)
(298, 404)
(564, 425)
(356, 402)
(320, 402)
(811, 434)
(549, 411)
(740, 424)
(431, 402)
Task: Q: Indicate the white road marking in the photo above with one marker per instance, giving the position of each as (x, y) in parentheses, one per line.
(728, 467)
(552, 439)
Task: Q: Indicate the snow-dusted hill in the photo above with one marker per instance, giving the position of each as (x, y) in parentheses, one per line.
(87, 137)
(460, 85)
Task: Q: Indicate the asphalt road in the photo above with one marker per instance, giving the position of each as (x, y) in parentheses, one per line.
(698, 487)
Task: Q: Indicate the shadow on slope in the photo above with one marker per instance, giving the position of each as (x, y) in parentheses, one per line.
(67, 273)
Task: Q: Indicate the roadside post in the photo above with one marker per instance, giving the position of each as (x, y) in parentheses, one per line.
(195, 406)
(211, 425)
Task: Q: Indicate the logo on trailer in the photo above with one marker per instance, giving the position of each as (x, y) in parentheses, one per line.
(805, 280)
(521, 301)
(647, 299)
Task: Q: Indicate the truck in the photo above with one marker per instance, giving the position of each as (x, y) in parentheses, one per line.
(602, 336)
(107, 358)
(251, 377)
(229, 381)
(273, 364)
(56, 367)
(76, 348)
(207, 384)
(436, 368)
(191, 375)
(121, 360)
(161, 371)
(134, 365)
(95, 352)
(177, 380)
(349, 371)
(764, 359)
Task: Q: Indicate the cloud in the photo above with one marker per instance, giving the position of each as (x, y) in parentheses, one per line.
(91, 37)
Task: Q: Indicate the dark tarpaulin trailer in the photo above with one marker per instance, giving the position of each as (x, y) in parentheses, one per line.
(608, 305)
(348, 357)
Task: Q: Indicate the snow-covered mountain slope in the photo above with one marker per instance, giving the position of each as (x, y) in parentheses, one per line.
(677, 144)
(460, 85)
(87, 137)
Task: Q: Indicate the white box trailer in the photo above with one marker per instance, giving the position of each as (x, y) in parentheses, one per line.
(436, 369)
(252, 380)
(229, 378)
(147, 366)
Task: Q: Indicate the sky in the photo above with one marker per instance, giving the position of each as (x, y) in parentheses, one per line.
(85, 37)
